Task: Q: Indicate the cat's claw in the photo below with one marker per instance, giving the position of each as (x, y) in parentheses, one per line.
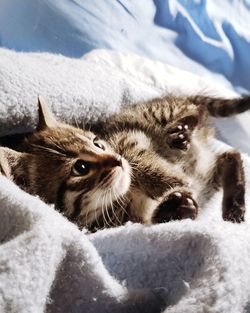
(177, 206)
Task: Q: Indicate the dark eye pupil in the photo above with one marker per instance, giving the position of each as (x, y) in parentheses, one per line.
(81, 167)
(99, 145)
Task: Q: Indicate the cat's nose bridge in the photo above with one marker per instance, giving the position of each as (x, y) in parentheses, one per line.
(111, 161)
(103, 160)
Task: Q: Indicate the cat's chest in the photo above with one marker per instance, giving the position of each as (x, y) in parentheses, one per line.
(128, 143)
(198, 165)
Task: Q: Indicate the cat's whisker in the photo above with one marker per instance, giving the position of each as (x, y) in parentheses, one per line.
(112, 206)
(89, 127)
(132, 174)
(113, 216)
(76, 123)
(106, 207)
(104, 210)
(121, 207)
(86, 217)
(133, 163)
(56, 145)
(97, 206)
(48, 150)
(122, 203)
(124, 198)
(119, 200)
(84, 126)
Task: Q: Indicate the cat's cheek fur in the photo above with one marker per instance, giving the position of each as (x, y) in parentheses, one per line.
(69, 200)
(100, 199)
(142, 207)
(122, 180)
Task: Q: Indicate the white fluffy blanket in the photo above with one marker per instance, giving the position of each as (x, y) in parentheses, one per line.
(48, 265)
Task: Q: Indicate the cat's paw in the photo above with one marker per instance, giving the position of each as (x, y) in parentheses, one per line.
(234, 216)
(177, 206)
(179, 135)
(234, 205)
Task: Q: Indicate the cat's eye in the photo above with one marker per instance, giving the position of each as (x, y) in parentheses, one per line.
(98, 144)
(81, 168)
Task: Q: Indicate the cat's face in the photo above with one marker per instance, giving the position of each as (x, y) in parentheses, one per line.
(74, 169)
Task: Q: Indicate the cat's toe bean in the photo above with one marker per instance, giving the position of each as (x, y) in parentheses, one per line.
(178, 137)
(178, 141)
(175, 129)
(177, 194)
(190, 201)
(188, 209)
(188, 212)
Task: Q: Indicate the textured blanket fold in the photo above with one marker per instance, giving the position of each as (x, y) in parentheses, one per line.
(48, 265)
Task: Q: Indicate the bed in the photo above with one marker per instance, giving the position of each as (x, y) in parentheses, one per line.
(145, 49)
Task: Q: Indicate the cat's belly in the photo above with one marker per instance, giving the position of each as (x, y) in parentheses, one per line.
(199, 167)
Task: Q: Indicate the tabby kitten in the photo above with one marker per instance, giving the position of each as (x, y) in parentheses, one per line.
(151, 163)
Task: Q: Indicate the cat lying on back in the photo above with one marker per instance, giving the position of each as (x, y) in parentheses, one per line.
(151, 163)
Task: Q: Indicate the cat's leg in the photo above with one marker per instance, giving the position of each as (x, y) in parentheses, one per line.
(230, 174)
(157, 184)
(160, 192)
(227, 173)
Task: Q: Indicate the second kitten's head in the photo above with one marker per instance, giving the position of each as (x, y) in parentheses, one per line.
(72, 168)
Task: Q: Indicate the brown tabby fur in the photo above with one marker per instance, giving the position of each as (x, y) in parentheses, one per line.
(154, 163)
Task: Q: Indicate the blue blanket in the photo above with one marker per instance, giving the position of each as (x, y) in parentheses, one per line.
(203, 37)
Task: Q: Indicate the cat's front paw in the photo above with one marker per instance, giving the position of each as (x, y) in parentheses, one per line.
(177, 206)
(178, 137)
(179, 134)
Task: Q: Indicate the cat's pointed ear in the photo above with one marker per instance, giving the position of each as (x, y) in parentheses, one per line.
(46, 117)
(9, 159)
(13, 164)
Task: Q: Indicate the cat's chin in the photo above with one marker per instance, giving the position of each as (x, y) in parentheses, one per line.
(103, 198)
(121, 179)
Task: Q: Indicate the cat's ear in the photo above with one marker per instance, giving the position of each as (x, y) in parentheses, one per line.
(9, 159)
(13, 164)
(46, 117)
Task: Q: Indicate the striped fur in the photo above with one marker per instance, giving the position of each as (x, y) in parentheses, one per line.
(220, 107)
(153, 163)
